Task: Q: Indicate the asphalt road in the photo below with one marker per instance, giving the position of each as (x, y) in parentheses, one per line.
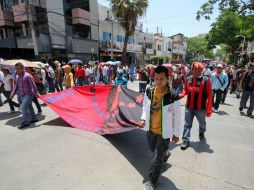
(53, 156)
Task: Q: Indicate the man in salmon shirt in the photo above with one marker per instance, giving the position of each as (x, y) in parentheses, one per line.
(198, 89)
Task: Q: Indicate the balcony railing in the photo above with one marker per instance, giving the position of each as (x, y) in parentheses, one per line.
(80, 16)
(21, 11)
(6, 18)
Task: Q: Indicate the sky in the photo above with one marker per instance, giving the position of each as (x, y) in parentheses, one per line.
(174, 16)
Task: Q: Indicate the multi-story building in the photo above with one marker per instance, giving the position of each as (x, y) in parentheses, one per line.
(146, 41)
(179, 47)
(106, 28)
(63, 28)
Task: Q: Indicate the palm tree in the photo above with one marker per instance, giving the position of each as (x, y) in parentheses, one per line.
(128, 12)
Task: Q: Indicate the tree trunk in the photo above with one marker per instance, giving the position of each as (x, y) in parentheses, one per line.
(124, 57)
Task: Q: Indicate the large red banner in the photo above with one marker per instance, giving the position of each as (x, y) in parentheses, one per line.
(97, 109)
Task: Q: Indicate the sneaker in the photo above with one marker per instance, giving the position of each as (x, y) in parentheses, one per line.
(11, 112)
(201, 136)
(165, 156)
(34, 121)
(185, 144)
(23, 126)
(216, 111)
(250, 115)
(149, 186)
(240, 109)
(39, 113)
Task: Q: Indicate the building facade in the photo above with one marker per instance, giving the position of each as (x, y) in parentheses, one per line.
(110, 27)
(63, 28)
(179, 48)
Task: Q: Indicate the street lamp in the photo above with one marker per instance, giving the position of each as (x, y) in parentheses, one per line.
(242, 36)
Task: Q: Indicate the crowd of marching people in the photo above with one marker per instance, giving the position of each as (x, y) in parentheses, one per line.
(52, 77)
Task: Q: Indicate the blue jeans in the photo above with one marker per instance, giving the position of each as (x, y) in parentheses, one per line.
(189, 116)
(27, 109)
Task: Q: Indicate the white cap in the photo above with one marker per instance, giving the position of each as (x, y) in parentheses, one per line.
(220, 65)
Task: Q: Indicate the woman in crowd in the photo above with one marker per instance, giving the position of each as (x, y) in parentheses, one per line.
(178, 81)
(120, 79)
(8, 81)
(68, 77)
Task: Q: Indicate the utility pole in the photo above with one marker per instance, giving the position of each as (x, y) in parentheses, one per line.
(31, 24)
(111, 20)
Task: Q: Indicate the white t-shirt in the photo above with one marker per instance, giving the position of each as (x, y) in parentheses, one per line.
(105, 71)
(6, 81)
(87, 72)
(43, 76)
(207, 72)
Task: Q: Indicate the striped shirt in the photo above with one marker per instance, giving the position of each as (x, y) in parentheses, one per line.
(25, 84)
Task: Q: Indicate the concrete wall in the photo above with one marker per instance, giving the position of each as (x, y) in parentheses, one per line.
(94, 19)
(56, 24)
(82, 46)
(43, 42)
(8, 43)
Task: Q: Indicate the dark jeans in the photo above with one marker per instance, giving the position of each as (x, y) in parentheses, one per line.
(189, 116)
(246, 95)
(80, 81)
(3, 92)
(159, 147)
(217, 100)
(51, 86)
(224, 95)
(37, 104)
(12, 104)
(59, 86)
(142, 87)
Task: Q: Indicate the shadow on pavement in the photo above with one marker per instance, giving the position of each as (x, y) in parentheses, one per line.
(226, 104)
(201, 147)
(6, 115)
(58, 122)
(222, 113)
(134, 147)
(244, 114)
(15, 122)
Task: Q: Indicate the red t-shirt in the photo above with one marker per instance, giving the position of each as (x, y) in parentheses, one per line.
(80, 73)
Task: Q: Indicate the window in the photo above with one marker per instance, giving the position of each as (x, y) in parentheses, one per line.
(106, 36)
(159, 47)
(120, 38)
(149, 45)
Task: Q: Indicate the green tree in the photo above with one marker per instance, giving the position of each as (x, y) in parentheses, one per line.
(240, 6)
(128, 12)
(225, 29)
(197, 49)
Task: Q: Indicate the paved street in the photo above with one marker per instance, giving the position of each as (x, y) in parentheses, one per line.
(53, 156)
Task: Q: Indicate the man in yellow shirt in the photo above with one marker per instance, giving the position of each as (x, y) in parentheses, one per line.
(161, 118)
